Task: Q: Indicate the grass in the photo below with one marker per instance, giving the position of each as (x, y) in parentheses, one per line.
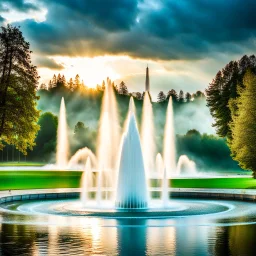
(8, 164)
(242, 183)
(71, 179)
(39, 179)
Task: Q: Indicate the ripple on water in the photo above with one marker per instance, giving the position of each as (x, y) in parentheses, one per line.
(201, 212)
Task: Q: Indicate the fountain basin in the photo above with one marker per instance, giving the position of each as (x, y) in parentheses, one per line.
(184, 203)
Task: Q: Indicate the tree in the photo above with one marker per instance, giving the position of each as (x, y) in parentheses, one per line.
(54, 81)
(138, 96)
(18, 84)
(46, 137)
(103, 86)
(77, 82)
(188, 97)
(181, 96)
(213, 150)
(198, 95)
(223, 88)
(43, 86)
(172, 93)
(50, 85)
(123, 89)
(243, 126)
(71, 85)
(63, 80)
(98, 88)
(161, 97)
(79, 128)
(83, 86)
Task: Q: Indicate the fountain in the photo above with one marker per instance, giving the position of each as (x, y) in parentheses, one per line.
(123, 167)
(87, 181)
(159, 165)
(165, 189)
(115, 186)
(131, 187)
(109, 131)
(148, 134)
(81, 156)
(185, 166)
(108, 141)
(169, 141)
(62, 138)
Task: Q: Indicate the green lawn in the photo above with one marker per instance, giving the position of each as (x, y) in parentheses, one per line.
(241, 183)
(71, 179)
(8, 164)
(39, 179)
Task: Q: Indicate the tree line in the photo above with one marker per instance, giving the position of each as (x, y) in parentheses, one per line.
(78, 85)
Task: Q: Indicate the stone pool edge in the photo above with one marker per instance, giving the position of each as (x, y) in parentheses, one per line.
(44, 194)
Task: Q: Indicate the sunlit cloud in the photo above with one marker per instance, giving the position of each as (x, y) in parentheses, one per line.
(91, 70)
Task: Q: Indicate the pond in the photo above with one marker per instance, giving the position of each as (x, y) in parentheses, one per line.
(49, 228)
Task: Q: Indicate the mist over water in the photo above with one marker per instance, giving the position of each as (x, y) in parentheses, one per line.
(194, 115)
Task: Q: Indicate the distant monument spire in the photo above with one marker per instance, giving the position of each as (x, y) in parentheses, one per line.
(147, 79)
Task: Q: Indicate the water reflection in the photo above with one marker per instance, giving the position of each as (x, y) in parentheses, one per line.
(206, 234)
(132, 237)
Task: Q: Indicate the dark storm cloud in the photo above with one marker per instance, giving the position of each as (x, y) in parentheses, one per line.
(18, 5)
(212, 21)
(167, 29)
(1, 20)
(48, 63)
(112, 15)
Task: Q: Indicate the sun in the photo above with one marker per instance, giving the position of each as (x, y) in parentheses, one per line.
(91, 70)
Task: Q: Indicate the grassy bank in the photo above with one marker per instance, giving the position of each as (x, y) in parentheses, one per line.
(39, 179)
(242, 183)
(8, 164)
(71, 179)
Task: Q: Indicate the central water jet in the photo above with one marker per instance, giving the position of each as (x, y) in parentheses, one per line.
(132, 190)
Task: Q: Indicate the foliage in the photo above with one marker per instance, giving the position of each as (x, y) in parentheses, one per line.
(208, 151)
(161, 97)
(181, 96)
(172, 93)
(243, 126)
(223, 88)
(123, 89)
(18, 83)
(188, 97)
(46, 137)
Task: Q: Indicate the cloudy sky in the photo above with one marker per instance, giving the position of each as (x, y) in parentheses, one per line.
(184, 42)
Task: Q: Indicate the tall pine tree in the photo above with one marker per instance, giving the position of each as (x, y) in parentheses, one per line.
(18, 84)
(161, 97)
(123, 89)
